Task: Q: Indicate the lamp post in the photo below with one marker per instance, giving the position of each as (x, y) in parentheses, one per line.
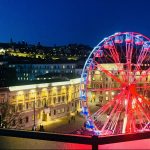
(34, 125)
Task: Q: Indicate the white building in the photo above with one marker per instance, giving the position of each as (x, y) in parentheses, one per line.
(41, 102)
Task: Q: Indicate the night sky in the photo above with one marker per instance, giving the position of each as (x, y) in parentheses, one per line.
(71, 21)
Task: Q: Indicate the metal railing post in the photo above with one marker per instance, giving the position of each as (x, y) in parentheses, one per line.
(94, 142)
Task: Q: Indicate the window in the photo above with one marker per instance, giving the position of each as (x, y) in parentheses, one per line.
(27, 105)
(13, 109)
(20, 107)
(27, 119)
(38, 103)
(20, 121)
(39, 116)
(63, 98)
(75, 104)
(54, 99)
(14, 123)
(58, 99)
(67, 97)
(54, 112)
(58, 111)
(63, 110)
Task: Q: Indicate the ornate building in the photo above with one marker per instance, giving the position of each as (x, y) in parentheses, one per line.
(99, 80)
(33, 104)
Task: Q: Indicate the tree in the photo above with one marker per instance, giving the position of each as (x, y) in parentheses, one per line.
(9, 117)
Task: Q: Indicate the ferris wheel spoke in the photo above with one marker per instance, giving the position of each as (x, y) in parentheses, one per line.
(110, 116)
(104, 89)
(129, 51)
(115, 119)
(139, 116)
(143, 53)
(113, 110)
(105, 107)
(116, 59)
(133, 123)
(146, 87)
(142, 109)
(146, 101)
(114, 53)
(142, 118)
(110, 75)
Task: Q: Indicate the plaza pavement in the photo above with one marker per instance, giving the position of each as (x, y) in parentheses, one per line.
(63, 125)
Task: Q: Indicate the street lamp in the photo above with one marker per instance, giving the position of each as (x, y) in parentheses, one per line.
(34, 126)
(34, 102)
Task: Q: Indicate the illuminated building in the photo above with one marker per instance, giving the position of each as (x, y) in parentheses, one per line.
(49, 101)
(100, 80)
(30, 71)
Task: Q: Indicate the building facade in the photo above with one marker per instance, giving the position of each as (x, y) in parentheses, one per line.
(32, 71)
(109, 87)
(33, 104)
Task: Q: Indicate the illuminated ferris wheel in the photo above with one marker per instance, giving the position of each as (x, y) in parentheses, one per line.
(115, 85)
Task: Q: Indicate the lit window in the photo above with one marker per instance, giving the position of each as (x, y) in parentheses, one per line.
(107, 98)
(58, 111)
(62, 110)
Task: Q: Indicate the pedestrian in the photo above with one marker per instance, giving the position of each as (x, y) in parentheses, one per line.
(69, 121)
(42, 128)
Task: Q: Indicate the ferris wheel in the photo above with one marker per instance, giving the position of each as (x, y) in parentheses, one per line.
(115, 85)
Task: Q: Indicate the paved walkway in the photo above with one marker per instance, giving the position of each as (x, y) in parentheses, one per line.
(63, 125)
